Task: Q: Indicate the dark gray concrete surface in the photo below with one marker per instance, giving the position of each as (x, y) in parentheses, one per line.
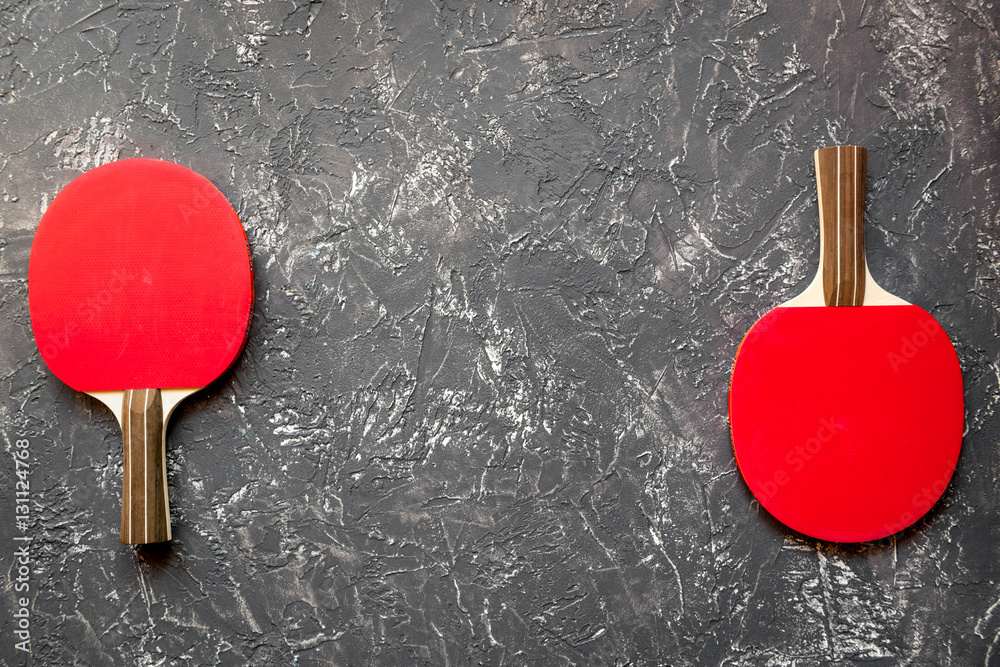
(504, 254)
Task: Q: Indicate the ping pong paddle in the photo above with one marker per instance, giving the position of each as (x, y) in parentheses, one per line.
(845, 403)
(140, 289)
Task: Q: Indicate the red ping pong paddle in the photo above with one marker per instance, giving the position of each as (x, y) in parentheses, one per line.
(140, 288)
(845, 403)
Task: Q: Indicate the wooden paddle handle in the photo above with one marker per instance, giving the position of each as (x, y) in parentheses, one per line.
(145, 512)
(840, 182)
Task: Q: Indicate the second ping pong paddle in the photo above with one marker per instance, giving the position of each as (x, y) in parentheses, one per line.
(140, 289)
(845, 403)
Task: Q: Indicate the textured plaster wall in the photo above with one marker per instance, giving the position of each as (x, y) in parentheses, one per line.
(504, 254)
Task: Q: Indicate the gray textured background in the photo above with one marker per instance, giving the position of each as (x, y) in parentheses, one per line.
(504, 254)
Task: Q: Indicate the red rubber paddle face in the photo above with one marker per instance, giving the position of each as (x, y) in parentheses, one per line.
(140, 277)
(847, 422)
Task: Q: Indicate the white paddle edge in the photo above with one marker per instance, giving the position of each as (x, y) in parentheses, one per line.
(813, 295)
(170, 398)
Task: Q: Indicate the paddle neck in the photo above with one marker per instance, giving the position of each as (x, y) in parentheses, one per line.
(840, 183)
